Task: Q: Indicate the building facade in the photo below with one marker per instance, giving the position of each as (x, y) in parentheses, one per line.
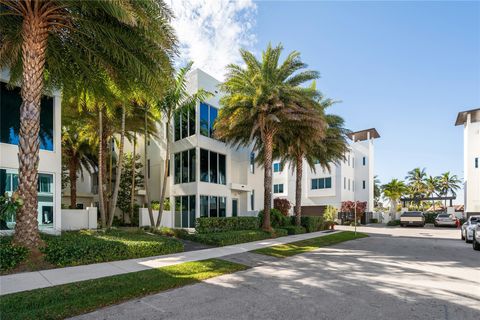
(471, 159)
(50, 164)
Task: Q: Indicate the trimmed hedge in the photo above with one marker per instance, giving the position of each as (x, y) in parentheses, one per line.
(295, 229)
(234, 237)
(85, 247)
(277, 219)
(212, 225)
(312, 224)
(393, 223)
(10, 255)
(430, 217)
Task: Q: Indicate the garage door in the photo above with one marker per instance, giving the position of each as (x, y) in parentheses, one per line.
(313, 210)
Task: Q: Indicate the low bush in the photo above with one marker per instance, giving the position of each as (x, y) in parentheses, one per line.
(283, 205)
(170, 232)
(234, 237)
(393, 223)
(312, 224)
(295, 229)
(84, 247)
(328, 225)
(430, 217)
(277, 219)
(212, 225)
(10, 255)
(373, 220)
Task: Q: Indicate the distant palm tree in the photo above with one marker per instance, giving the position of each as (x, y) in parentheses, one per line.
(393, 191)
(448, 184)
(377, 191)
(416, 183)
(53, 43)
(432, 187)
(259, 99)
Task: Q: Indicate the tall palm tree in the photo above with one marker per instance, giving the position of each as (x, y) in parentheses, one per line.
(377, 191)
(67, 40)
(432, 187)
(448, 184)
(175, 99)
(393, 191)
(416, 182)
(260, 98)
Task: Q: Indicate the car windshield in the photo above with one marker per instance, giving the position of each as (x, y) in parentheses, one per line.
(443, 216)
(474, 220)
(412, 214)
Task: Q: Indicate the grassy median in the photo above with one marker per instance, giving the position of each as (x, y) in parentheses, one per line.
(290, 249)
(72, 299)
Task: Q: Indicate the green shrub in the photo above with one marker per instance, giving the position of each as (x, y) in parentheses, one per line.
(393, 223)
(84, 247)
(373, 220)
(234, 237)
(277, 219)
(327, 225)
(10, 255)
(430, 217)
(295, 229)
(330, 213)
(169, 232)
(312, 224)
(211, 225)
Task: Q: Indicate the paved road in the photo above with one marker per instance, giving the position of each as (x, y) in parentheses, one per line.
(422, 274)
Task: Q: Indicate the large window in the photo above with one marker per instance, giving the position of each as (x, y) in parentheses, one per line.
(277, 167)
(278, 188)
(212, 167)
(185, 212)
(208, 115)
(184, 122)
(213, 206)
(10, 101)
(184, 163)
(321, 183)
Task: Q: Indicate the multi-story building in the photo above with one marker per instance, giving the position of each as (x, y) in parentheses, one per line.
(471, 159)
(349, 180)
(50, 164)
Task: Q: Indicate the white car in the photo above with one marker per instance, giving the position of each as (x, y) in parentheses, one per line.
(467, 228)
(476, 237)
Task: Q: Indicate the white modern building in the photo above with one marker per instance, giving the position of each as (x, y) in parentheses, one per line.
(349, 180)
(50, 164)
(470, 120)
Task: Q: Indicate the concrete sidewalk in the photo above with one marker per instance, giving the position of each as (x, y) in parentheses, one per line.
(48, 278)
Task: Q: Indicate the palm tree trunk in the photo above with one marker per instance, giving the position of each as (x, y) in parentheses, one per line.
(165, 175)
(147, 191)
(134, 154)
(298, 190)
(267, 198)
(35, 34)
(101, 166)
(72, 171)
(118, 173)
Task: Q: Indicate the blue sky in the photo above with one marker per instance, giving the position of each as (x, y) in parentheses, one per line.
(405, 68)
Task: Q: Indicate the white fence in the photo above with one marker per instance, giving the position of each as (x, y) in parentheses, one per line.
(76, 219)
(144, 219)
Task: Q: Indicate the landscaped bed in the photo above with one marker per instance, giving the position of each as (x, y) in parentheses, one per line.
(72, 299)
(234, 237)
(290, 249)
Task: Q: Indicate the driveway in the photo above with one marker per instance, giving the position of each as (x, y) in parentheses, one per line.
(396, 273)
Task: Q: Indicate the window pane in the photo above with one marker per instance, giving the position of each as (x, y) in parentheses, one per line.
(328, 183)
(213, 117)
(204, 119)
(185, 212)
(252, 162)
(222, 212)
(222, 178)
(177, 167)
(204, 165)
(276, 167)
(314, 184)
(213, 207)
(321, 183)
(192, 166)
(45, 183)
(178, 212)
(177, 126)
(252, 200)
(192, 212)
(213, 167)
(203, 206)
(280, 188)
(184, 123)
(185, 166)
(275, 188)
(191, 121)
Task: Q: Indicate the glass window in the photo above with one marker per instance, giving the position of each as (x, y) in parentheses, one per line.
(178, 212)
(192, 165)
(184, 211)
(213, 167)
(314, 184)
(222, 207)
(45, 183)
(221, 169)
(184, 123)
(191, 205)
(213, 117)
(191, 121)
(252, 162)
(204, 119)
(252, 200)
(276, 167)
(204, 165)
(278, 188)
(344, 183)
(176, 121)
(321, 183)
(10, 102)
(213, 207)
(364, 184)
(148, 168)
(177, 167)
(328, 183)
(364, 160)
(203, 206)
(476, 162)
(185, 166)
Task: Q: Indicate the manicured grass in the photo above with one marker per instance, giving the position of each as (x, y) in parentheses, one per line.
(77, 298)
(234, 237)
(290, 249)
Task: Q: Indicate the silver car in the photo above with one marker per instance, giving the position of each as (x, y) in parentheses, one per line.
(445, 220)
(476, 237)
(467, 228)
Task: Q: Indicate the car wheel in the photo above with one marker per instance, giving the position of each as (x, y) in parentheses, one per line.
(475, 244)
(463, 238)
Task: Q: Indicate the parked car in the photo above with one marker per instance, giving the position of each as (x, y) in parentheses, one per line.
(476, 237)
(445, 220)
(467, 228)
(412, 218)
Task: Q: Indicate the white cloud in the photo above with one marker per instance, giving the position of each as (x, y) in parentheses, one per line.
(211, 32)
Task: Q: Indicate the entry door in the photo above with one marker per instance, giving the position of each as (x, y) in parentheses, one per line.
(234, 207)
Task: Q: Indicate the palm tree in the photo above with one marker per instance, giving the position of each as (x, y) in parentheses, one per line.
(259, 99)
(393, 191)
(448, 184)
(51, 43)
(175, 99)
(432, 187)
(416, 182)
(377, 191)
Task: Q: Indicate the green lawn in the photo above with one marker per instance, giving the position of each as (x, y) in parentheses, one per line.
(72, 299)
(290, 249)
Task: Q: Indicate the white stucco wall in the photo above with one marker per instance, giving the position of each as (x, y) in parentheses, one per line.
(471, 133)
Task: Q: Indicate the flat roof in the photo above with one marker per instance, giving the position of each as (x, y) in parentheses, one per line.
(363, 134)
(462, 116)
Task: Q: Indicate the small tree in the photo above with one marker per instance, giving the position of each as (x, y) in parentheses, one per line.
(283, 205)
(330, 213)
(125, 191)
